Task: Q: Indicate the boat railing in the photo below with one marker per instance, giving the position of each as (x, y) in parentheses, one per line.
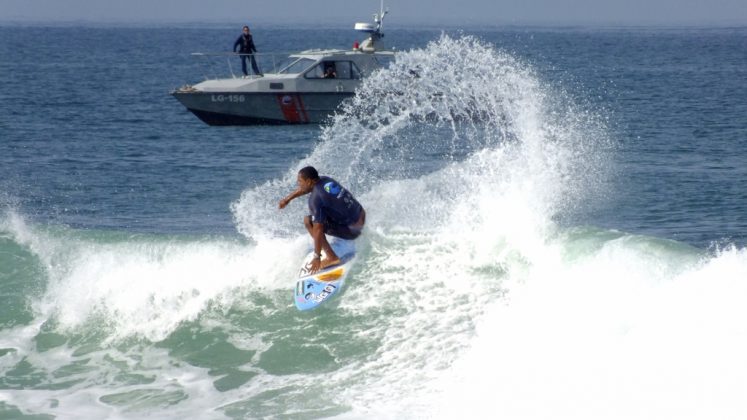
(214, 64)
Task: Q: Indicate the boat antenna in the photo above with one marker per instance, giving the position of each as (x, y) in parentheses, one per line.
(374, 31)
(379, 19)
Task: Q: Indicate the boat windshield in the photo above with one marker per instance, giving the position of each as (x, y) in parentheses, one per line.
(296, 66)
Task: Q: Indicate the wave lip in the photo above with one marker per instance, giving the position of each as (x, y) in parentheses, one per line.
(461, 116)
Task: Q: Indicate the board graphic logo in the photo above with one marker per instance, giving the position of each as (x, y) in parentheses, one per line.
(324, 294)
(332, 188)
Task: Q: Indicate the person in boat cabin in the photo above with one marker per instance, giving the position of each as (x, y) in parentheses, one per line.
(329, 72)
(245, 42)
(334, 211)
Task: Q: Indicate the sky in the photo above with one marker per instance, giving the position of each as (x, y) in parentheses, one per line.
(457, 12)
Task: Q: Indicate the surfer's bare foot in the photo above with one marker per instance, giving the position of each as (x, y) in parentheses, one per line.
(330, 262)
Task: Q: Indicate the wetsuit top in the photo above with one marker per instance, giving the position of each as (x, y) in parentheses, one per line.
(329, 202)
(246, 44)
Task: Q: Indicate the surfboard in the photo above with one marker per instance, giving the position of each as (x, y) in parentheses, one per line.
(315, 289)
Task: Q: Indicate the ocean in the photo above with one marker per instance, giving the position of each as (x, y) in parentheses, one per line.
(557, 228)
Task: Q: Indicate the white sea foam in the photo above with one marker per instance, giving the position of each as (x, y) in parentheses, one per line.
(616, 333)
(146, 287)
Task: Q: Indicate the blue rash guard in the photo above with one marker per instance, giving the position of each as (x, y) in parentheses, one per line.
(334, 206)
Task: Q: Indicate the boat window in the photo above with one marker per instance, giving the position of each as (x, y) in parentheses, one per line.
(384, 60)
(354, 72)
(297, 66)
(316, 73)
(334, 70)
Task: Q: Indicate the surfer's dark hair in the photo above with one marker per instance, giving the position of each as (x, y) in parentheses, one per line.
(309, 172)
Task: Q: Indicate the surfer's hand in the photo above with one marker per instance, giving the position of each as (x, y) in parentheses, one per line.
(316, 264)
(283, 202)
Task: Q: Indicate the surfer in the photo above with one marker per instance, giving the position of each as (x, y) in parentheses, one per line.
(333, 211)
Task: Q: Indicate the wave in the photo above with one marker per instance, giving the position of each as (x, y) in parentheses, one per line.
(125, 285)
(404, 131)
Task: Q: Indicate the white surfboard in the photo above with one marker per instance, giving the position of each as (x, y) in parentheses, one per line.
(313, 290)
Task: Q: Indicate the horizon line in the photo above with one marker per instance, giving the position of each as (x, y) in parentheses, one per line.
(401, 23)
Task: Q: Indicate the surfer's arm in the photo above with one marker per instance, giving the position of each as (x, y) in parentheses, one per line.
(295, 194)
(321, 243)
(317, 233)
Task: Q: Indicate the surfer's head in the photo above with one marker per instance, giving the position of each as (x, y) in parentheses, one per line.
(309, 172)
(307, 177)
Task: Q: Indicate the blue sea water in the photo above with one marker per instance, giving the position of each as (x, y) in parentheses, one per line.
(579, 252)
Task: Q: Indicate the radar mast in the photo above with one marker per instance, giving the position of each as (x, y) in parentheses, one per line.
(373, 42)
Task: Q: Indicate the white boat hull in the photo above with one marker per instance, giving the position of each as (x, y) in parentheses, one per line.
(254, 108)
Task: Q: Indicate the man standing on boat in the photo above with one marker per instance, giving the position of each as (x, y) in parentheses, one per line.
(334, 211)
(245, 42)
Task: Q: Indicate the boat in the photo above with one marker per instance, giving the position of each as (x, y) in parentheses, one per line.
(306, 88)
